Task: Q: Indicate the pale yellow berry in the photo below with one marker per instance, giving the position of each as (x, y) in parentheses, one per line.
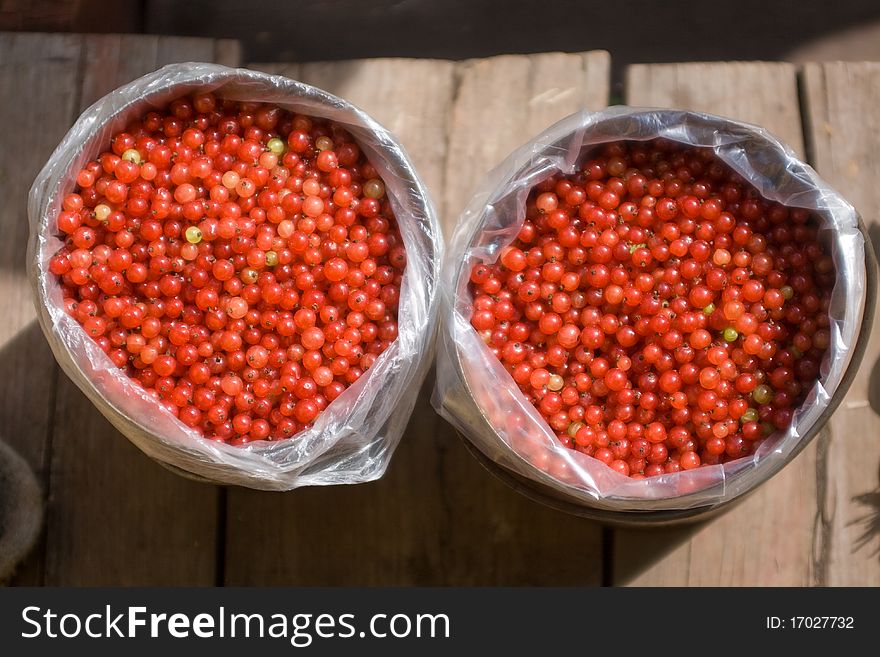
(275, 145)
(374, 188)
(193, 235)
(230, 179)
(102, 212)
(132, 155)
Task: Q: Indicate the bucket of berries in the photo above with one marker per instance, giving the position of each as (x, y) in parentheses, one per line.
(650, 312)
(240, 271)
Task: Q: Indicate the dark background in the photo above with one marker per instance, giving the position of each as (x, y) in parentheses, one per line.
(632, 31)
(510, 620)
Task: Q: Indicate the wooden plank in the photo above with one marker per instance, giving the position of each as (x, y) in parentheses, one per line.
(738, 90)
(227, 52)
(768, 539)
(146, 526)
(436, 517)
(843, 133)
(503, 101)
(172, 50)
(45, 66)
(388, 532)
(113, 60)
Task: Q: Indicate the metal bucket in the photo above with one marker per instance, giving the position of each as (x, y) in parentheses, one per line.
(464, 409)
(354, 439)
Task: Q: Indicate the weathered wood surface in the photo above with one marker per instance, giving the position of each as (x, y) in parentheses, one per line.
(842, 103)
(114, 516)
(504, 101)
(437, 517)
(47, 67)
(768, 539)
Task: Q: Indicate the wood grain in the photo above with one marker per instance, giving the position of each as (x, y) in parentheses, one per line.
(764, 93)
(112, 60)
(769, 538)
(436, 517)
(115, 516)
(46, 66)
(227, 52)
(504, 101)
(172, 50)
(842, 102)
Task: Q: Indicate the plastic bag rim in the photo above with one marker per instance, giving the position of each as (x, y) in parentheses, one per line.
(86, 127)
(455, 270)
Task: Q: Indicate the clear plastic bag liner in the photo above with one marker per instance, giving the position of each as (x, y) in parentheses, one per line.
(477, 395)
(353, 439)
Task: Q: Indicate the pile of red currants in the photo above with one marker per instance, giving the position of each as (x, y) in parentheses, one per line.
(658, 312)
(239, 261)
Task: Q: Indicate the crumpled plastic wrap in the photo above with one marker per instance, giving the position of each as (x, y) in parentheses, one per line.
(477, 395)
(353, 439)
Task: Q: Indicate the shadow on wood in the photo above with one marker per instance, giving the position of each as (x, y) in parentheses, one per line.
(636, 550)
(21, 511)
(869, 523)
(435, 518)
(116, 517)
(874, 379)
(113, 516)
(27, 384)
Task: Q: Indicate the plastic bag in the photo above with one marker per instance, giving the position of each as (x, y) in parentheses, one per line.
(353, 439)
(477, 395)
